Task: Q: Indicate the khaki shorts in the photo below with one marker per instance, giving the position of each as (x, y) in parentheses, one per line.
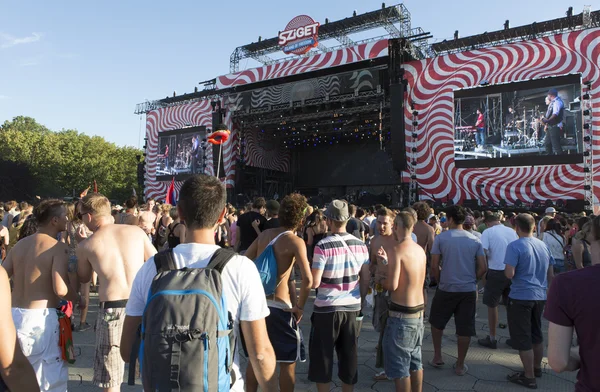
(109, 368)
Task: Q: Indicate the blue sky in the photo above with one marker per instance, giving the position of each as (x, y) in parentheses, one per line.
(85, 65)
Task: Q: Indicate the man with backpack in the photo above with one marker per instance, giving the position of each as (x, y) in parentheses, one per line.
(340, 271)
(279, 249)
(191, 310)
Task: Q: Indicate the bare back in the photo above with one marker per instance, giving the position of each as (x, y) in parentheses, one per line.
(146, 222)
(115, 253)
(411, 274)
(425, 235)
(38, 265)
(286, 248)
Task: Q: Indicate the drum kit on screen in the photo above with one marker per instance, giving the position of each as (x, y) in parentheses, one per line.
(524, 133)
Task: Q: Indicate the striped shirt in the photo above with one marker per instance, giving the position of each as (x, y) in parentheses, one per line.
(340, 257)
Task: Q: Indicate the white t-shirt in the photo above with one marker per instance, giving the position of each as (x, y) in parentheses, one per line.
(242, 288)
(555, 243)
(495, 240)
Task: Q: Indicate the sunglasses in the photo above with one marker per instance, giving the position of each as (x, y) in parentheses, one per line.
(81, 214)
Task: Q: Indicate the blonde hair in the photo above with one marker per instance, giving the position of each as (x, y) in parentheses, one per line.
(165, 208)
(96, 204)
(405, 219)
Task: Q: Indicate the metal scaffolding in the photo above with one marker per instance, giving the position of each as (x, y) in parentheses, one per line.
(395, 20)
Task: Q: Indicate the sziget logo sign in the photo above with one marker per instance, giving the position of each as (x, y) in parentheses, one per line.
(300, 35)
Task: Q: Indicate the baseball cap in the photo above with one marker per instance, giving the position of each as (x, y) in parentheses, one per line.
(431, 217)
(551, 210)
(337, 211)
(553, 92)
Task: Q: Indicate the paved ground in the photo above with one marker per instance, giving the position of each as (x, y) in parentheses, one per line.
(487, 368)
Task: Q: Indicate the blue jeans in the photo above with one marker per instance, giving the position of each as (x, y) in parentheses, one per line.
(480, 136)
(402, 343)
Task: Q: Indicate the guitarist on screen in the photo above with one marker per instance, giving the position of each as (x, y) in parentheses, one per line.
(554, 122)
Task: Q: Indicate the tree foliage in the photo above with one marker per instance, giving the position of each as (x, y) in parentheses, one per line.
(65, 163)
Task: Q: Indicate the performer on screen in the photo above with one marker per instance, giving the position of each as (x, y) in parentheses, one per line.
(480, 135)
(195, 145)
(511, 119)
(554, 122)
(166, 156)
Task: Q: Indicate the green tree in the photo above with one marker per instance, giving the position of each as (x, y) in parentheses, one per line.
(66, 162)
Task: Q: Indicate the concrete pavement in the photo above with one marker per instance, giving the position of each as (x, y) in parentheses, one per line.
(487, 368)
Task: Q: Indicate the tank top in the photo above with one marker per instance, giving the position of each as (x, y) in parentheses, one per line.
(171, 238)
(161, 235)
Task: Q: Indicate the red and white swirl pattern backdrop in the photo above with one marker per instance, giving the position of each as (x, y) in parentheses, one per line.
(306, 64)
(167, 119)
(431, 86)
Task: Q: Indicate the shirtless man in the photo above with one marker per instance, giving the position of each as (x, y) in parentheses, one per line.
(286, 310)
(38, 265)
(384, 242)
(425, 237)
(148, 218)
(404, 278)
(129, 217)
(115, 253)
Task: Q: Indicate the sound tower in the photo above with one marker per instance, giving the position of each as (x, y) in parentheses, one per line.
(398, 55)
(397, 136)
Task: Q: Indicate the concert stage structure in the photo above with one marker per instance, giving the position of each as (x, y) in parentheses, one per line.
(389, 119)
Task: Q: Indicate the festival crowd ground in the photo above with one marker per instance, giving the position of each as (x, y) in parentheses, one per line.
(186, 290)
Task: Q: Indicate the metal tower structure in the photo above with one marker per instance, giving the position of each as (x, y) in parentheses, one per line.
(395, 20)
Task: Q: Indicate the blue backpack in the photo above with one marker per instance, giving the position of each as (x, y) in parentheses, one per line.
(187, 340)
(267, 267)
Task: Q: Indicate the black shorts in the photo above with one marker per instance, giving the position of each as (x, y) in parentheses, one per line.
(497, 287)
(460, 305)
(329, 331)
(525, 323)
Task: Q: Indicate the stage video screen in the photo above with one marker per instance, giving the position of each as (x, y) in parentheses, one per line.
(181, 153)
(537, 122)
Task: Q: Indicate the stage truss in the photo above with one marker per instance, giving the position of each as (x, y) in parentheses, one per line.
(395, 20)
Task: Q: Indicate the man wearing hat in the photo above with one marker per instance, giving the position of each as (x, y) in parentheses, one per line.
(340, 271)
(554, 121)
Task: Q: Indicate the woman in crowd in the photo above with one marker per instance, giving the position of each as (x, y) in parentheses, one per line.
(176, 230)
(4, 238)
(315, 232)
(231, 224)
(555, 241)
(70, 238)
(162, 225)
(543, 222)
(580, 254)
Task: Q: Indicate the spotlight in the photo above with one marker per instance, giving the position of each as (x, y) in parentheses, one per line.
(586, 169)
(587, 139)
(537, 203)
(586, 112)
(382, 6)
(586, 153)
(587, 188)
(414, 149)
(502, 203)
(561, 204)
(354, 13)
(414, 163)
(588, 83)
(586, 96)
(326, 20)
(507, 24)
(415, 113)
(414, 177)
(490, 203)
(548, 203)
(570, 12)
(586, 126)
(518, 203)
(456, 34)
(415, 123)
(414, 135)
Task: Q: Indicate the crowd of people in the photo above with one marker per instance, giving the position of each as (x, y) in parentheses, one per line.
(259, 265)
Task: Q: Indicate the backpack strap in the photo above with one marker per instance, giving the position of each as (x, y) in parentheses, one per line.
(164, 261)
(220, 259)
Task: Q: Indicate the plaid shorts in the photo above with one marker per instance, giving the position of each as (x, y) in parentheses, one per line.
(108, 365)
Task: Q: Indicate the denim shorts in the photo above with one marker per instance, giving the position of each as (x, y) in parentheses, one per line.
(402, 343)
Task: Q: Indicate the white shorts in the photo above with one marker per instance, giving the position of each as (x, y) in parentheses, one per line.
(38, 335)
